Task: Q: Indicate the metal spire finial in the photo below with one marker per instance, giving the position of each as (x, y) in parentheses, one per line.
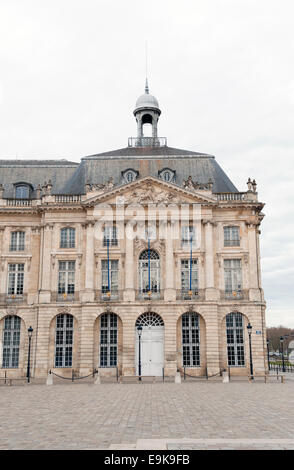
(146, 57)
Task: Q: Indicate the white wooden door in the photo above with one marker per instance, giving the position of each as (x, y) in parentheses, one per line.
(152, 351)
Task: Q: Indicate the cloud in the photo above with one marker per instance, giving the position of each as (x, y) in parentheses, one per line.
(223, 73)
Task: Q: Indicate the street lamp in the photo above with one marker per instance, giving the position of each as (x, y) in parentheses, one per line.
(282, 349)
(249, 329)
(30, 334)
(139, 330)
(268, 357)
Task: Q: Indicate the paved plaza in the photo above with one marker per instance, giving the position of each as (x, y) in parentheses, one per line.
(190, 415)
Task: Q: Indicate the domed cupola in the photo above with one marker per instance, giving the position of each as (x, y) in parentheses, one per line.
(146, 101)
(147, 112)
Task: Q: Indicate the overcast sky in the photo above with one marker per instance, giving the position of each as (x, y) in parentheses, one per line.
(222, 70)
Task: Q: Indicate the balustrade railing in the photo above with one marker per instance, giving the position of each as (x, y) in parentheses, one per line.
(67, 198)
(231, 196)
(147, 142)
(19, 202)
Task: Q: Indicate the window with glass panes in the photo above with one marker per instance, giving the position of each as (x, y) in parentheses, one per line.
(17, 241)
(186, 268)
(108, 340)
(231, 236)
(233, 276)
(113, 276)
(188, 231)
(110, 234)
(11, 341)
(15, 279)
(144, 272)
(22, 192)
(191, 340)
(66, 277)
(235, 339)
(64, 340)
(67, 237)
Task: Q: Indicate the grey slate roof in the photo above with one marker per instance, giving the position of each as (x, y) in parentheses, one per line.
(70, 177)
(35, 172)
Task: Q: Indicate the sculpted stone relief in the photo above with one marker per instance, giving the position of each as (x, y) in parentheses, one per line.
(148, 195)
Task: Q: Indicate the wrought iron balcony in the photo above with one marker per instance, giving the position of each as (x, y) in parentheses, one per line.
(195, 295)
(147, 142)
(111, 296)
(12, 299)
(149, 295)
(238, 294)
(56, 297)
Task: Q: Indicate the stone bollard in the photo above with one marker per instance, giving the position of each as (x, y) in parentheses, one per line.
(226, 378)
(97, 380)
(178, 378)
(49, 380)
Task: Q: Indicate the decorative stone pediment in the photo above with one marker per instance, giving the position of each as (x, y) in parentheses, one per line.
(150, 190)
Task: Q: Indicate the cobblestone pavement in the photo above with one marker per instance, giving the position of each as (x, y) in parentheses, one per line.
(87, 416)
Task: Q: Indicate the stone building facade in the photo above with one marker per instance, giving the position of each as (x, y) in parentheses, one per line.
(148, 236)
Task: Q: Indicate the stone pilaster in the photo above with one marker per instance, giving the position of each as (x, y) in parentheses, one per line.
(45, 292)
(88, 293)
(210, 292)
(170, 292)
(129, 292)
(254, 291)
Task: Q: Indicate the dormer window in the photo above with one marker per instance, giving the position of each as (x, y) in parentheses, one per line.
(130, 175)
(22, 191)
(167, 175)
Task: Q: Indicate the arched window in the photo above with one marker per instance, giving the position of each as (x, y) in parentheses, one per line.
(149, 319)
(191, 339)
(11, 341)
(67, 237)
(235, 339)
(108, 340)
(22, 191)
(149, 272)
(64, 340)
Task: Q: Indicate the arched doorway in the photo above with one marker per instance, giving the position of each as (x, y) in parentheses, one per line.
(152, 344)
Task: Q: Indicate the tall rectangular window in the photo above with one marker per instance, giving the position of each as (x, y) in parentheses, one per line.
(108, 340)
(186, 271)
(113, 276)
(231, 236)
(235, 339)
(110, 233)
(233, 277)
(15, 279)
(64, 340)
(190, 340)
(66, 277)
(188, 231)
(67, 237)
(17, 241)
(11, 341)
